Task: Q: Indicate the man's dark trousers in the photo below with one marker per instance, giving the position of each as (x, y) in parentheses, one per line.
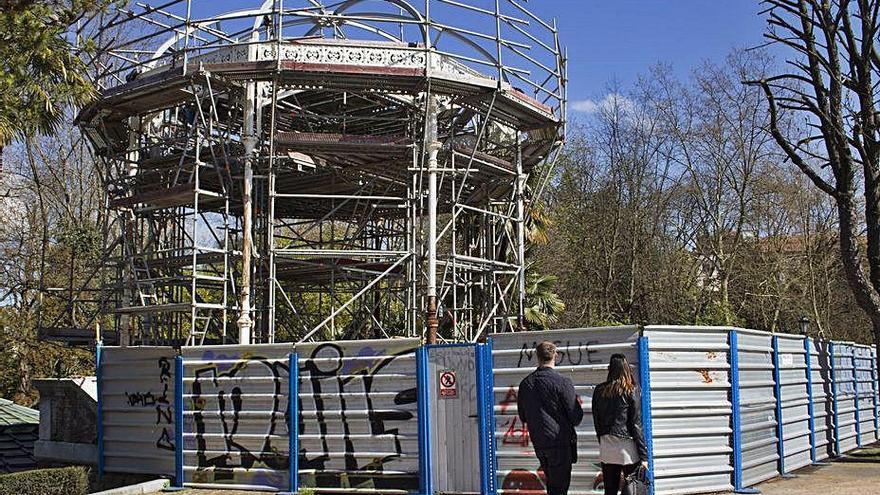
(556, 464)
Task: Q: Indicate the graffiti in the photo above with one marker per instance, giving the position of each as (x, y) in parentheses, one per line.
(141, 399)
(523, 481)
(515, 431)
(162, 404)
(567, 354)
(352, 417)
(234, 428)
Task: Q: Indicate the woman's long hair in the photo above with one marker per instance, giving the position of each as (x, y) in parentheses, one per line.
(620, 380)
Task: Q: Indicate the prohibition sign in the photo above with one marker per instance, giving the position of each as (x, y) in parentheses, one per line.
(448, 385)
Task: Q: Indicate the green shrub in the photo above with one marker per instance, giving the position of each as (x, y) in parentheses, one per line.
(62, 481)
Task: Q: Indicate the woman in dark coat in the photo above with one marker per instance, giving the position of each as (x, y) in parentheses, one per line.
(617, 416)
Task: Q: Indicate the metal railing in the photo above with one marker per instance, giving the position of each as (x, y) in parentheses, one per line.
(505, 41)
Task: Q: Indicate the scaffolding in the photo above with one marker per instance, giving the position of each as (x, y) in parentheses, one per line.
(306, 170)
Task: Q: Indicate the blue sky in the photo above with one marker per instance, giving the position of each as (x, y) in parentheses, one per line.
(616, 40)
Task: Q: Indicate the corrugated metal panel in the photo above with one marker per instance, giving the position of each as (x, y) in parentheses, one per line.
(845, 406)
(235, 432)
(137, 397)
(757, 407)
(359, 418)
(865, 389)
(876, 376)
(821, 399)
(454, 420)
(690, 399)
(795, 402)
(583, 356)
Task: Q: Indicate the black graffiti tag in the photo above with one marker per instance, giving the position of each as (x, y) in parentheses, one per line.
(566, 353)
(164, 413)
(341, 396)
(230, 408)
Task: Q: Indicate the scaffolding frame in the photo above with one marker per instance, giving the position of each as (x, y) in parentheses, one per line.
(338, 187)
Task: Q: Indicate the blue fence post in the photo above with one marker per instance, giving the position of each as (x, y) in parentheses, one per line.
(293, 420)
(811, 409)
(486, 408)
(493, 444)
(647, 419)
(855, 383)
(777, 390)
(482, 418)
(426, 481)
(836, 421)
(735, 416)
(875, 389)
(99, 383)
(178, 421)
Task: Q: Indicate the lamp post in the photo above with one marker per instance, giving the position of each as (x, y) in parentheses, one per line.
(804, 323)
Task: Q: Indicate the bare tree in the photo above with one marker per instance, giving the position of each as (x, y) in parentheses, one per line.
(831, 88)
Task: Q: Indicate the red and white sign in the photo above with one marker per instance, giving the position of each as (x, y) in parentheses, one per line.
(448, 385)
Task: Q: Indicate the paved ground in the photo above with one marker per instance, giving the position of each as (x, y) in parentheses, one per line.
(857, 474)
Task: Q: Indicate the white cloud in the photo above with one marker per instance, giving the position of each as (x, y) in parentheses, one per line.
(608, 102)
(585, 106)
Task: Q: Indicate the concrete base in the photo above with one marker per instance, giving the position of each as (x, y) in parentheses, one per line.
(139, 489)
(65, 452)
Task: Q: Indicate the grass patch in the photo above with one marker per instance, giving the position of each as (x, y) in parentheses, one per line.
(61, 481)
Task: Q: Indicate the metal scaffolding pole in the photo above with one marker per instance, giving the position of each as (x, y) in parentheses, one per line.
(433, 147)
(249, 139)
(520, 235)
(384, 196)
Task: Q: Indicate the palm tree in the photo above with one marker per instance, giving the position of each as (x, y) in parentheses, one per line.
(41, 73)
(543, 306)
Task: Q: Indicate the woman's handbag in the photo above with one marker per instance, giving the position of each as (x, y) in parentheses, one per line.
(637, 483)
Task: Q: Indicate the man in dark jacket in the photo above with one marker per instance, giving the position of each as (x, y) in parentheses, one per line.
(547, 404)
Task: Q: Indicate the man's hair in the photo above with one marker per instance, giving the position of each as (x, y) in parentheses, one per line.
(546, 352)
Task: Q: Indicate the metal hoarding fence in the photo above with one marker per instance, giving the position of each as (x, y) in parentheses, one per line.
(691, 408)
(359, 416)
(137, 399)
(235, 416)
(826, 368)
(820, 390)
(876, 384)
(793, 401)
(583, 355)
(863, 360)
(760, 452)
(723, 409)
(845, 411)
